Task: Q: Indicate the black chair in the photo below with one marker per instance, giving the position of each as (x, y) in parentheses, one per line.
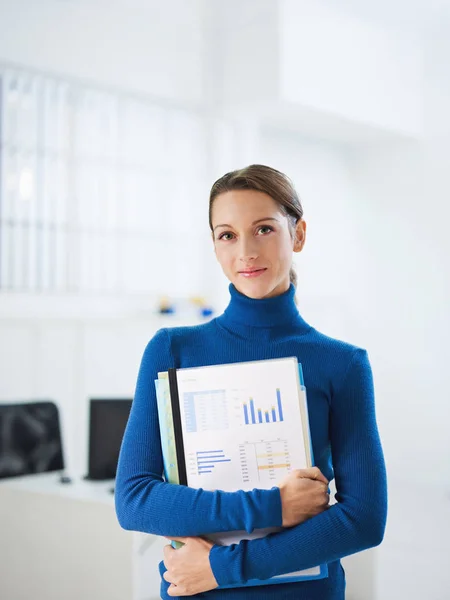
(30, 439)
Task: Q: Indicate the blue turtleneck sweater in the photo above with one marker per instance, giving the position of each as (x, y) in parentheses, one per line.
(345, 442)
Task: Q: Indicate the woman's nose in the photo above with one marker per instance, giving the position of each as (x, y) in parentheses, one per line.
(247, 250)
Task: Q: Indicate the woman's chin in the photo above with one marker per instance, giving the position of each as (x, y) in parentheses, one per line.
(253, 289)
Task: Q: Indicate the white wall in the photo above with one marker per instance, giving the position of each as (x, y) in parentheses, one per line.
(247, 49)
(403, 281)
(151, 48)
(319, 68)
(404, 190)
(346, 65)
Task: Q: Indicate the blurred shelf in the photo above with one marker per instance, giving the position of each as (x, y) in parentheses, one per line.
(22, 306)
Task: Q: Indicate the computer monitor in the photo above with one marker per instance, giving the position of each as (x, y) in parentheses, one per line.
(30, 438)
(107, 421)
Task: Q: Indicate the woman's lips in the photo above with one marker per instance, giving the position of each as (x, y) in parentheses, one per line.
(255, 273)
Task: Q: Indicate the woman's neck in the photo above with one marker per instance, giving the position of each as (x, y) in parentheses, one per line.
(264, 313)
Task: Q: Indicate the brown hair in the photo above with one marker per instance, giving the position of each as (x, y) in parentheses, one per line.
(263, 179)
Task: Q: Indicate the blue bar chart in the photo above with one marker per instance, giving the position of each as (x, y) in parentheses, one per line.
(280, 406)
(208, 459)
(246, 414)
(252, 409)
(254, 415)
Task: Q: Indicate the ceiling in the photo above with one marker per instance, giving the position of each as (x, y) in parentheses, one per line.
(413, 15)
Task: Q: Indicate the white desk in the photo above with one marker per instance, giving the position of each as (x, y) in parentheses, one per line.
(62, 541)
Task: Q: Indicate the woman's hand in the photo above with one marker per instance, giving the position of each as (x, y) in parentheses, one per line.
(188, 568)
(304, 494)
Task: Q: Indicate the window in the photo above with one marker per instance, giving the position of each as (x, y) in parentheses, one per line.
(99, 191)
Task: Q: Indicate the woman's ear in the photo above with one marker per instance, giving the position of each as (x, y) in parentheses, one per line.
(300, 235)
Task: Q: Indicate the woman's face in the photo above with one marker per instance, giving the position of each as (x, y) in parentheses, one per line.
(253, 243)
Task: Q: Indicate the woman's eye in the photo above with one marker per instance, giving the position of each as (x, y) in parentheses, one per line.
(225, 236)
(265, 229)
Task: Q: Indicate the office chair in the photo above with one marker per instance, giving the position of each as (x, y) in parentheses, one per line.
(30, 439)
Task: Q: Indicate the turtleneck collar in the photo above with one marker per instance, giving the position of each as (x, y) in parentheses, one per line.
(267, 312)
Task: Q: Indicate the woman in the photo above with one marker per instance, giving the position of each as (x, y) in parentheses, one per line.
(256, 221)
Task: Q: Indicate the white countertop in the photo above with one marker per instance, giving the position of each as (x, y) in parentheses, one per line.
(49, 483)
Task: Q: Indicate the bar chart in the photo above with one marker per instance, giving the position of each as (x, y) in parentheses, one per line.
(255, 415)
(207, 460)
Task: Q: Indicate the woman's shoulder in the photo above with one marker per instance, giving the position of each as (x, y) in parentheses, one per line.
(164, 347)
(182, 334)
(336, 346)
(339, 362)
(186, 332)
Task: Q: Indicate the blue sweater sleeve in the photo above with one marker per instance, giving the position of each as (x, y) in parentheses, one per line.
(355, 523)
(145, 502)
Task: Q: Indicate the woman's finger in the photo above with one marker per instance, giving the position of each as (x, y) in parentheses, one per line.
(168, 577)
(175, 591)
(313, 473)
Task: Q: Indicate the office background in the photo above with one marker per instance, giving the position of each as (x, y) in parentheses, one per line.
(116, 117)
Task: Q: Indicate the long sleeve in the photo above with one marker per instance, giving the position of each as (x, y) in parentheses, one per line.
(355, 523)
(145, 502)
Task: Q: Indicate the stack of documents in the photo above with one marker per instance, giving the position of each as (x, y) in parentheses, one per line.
(233, 427)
